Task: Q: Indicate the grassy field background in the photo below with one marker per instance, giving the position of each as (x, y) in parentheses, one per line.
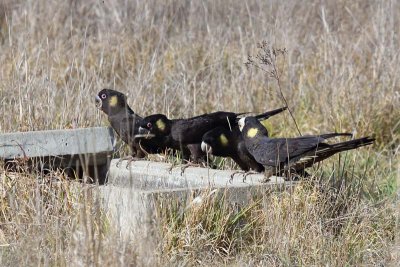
(184, 58)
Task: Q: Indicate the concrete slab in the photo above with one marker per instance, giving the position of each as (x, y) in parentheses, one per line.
(148, 175)
(86, 150)
(94, 140)
(133, 195)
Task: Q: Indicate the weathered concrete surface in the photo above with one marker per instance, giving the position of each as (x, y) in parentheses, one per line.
(81, 150)
(96, 140)
(148, 175)
(133, 195)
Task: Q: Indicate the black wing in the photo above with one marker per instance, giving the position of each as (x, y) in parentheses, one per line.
(190, 131)
(245, 160)
(275, 152)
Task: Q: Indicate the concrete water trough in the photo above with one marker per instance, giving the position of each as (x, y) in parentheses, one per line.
(133, 194)
(84, 150)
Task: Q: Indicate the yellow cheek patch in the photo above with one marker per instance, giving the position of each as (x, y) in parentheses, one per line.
(113, 101)
(160, 125)
(252, 132)
(223, 140)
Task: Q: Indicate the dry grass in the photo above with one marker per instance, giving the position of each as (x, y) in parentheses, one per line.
(306, 227)
(184, 58)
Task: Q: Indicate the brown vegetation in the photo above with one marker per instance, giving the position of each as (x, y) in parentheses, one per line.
(184, 58)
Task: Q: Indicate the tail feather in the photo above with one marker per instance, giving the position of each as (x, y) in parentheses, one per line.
(328, 151)
(263, 116)
(331, 135)
(351, 144)
(332, 149)
(268, 114)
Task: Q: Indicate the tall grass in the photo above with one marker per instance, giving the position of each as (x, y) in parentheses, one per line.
(303, 227)
(183, 58)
